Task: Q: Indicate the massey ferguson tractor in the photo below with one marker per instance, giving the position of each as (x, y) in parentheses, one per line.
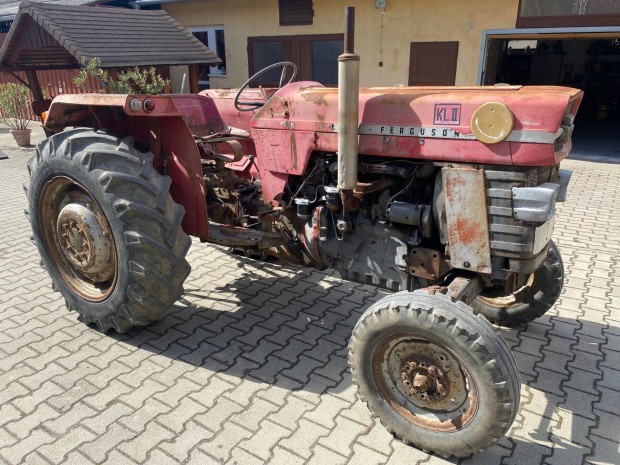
(444, 195)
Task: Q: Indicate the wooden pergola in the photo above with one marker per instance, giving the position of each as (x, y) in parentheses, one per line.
(46, 36)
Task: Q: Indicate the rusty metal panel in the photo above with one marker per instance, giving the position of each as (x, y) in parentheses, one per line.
(466, 214)
(427, 263)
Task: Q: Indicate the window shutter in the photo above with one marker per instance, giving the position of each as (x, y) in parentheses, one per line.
(295, 12)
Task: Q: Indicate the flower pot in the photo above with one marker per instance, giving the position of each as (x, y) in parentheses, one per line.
(21, 136)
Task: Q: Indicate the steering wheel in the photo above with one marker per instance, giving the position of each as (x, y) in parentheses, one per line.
(245, 105)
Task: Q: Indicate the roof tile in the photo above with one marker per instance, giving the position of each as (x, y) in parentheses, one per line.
(119, 37)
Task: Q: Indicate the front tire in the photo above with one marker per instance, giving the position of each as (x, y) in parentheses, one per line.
(532, 300)
(107, 230)
(436, 376)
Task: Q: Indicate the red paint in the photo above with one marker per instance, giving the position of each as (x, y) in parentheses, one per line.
(301, 118)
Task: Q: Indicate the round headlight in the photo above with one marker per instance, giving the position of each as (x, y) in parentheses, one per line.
(135, 104)
(492, 122)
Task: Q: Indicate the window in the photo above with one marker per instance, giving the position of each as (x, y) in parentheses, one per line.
(316, 57)
(295, 12)
(212, 37)
(566, 13)
(325, 60)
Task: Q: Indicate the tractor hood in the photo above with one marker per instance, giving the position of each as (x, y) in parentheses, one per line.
(510, 125)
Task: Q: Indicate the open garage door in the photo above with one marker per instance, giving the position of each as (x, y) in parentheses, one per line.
(588, 62)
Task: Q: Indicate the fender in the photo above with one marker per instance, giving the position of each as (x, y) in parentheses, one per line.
(165, 124)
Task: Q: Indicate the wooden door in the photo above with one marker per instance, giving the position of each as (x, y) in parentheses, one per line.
(433, 63)
(316, 57)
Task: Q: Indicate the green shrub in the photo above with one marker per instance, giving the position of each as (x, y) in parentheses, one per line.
(14, 110)
(129, 81)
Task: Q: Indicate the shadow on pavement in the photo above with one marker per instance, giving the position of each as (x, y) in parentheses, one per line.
(559, 359)
(269, 324)
(289, 327)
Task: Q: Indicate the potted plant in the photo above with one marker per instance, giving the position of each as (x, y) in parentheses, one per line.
(14, 112)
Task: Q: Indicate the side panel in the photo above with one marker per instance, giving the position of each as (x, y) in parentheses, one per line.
(279, 154)
(466, 214)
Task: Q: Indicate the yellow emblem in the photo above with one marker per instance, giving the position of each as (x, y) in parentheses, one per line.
(492, 122)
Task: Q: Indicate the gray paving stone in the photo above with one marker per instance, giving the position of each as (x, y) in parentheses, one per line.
(605, 452)
(220, 446)
(265, 439)
(288, 416)
(56, 451)
(217, 415)
(610, 401)
(183, 443)
(282, 456)
(23, 427)
(98, 449)
(322, 455)
(250, 367)
(342, 437)
(301, 442)
(138, 447)
(138, 420)
(9, 413)
(404, 454)
(240, 456)
(16, 452)
(252, 416)
(28, 401)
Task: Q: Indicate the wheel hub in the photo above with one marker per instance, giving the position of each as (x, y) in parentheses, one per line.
(423, 381)
(84, 241)
(428, 376)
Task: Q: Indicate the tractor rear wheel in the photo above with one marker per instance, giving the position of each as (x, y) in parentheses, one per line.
(436, 375)
(534, 295)
(107, 230)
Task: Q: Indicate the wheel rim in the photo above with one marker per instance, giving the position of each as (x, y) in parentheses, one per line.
(502, 298)
(424, 383)
(78, 239)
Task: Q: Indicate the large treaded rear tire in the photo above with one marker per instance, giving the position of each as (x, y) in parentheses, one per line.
(144, 221)
(453, 329)
(531, 302)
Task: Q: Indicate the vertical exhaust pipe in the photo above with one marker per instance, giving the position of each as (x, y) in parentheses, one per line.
(348, 110)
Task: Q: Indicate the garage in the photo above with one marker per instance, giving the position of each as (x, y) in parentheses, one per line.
(588, 61)
(573, 43)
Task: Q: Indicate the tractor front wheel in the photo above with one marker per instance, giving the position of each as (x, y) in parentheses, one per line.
(533, 295)
(107, 230)
(435, 375)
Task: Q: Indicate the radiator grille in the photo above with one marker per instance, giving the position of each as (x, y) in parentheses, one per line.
(509, 237)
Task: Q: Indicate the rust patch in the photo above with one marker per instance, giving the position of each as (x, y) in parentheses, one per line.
(315, 96)
(466, 230)
(466, 215)
(364, 188)
(427, 263)
(293, 151)
(379, 358)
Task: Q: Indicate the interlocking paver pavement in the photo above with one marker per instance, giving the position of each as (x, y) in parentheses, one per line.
(250, 366)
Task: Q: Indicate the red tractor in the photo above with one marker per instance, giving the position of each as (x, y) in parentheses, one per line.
(444, 195)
